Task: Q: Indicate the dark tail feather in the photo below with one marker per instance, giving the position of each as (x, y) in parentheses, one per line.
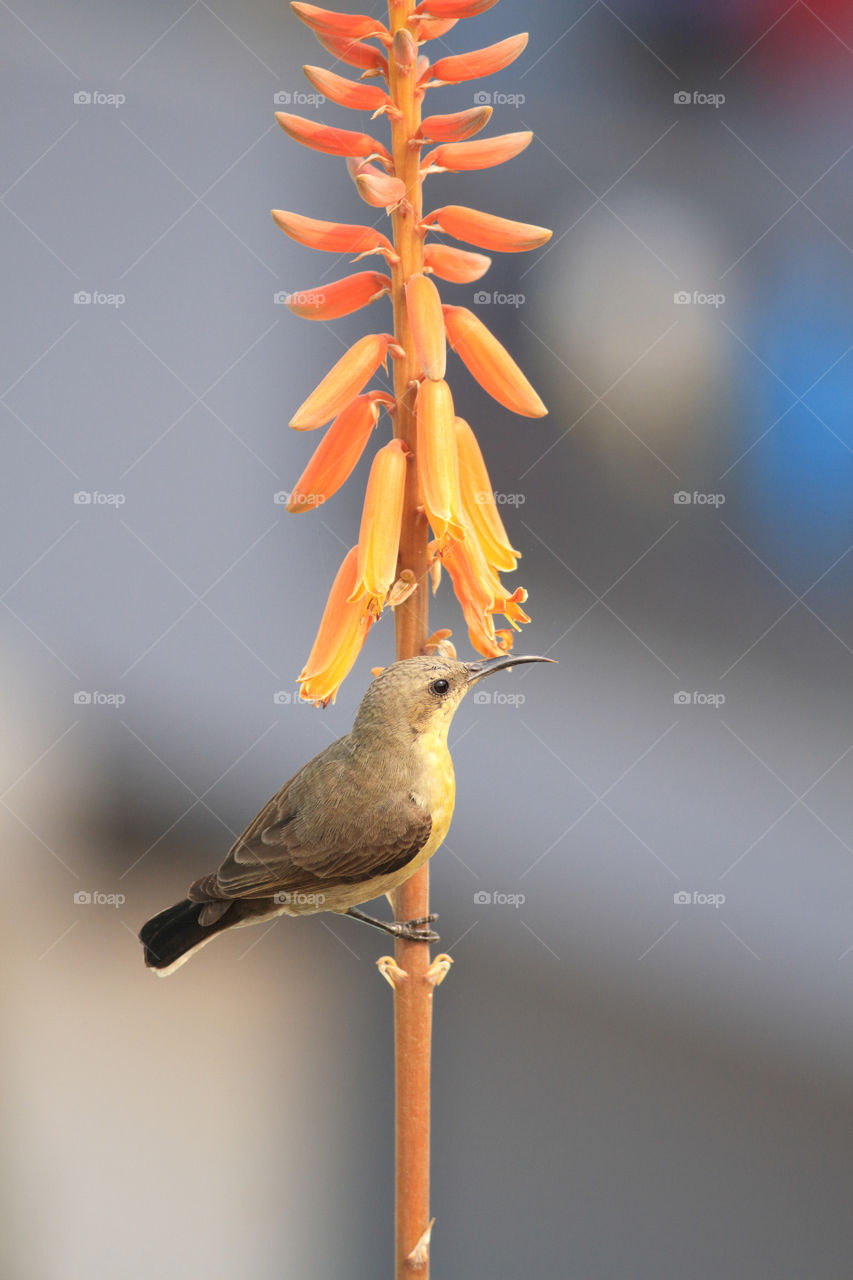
(170, 937)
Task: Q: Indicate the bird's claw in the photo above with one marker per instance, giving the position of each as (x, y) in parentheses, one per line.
(413, 931)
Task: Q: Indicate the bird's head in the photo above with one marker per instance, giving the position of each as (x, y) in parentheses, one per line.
(419, 695)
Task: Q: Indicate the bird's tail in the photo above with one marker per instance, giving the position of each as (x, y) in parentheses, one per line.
(171, 937)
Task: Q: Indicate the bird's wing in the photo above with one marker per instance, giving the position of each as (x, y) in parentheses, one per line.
(330, 823)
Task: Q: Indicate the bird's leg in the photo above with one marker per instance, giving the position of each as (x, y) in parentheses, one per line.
(409, 929)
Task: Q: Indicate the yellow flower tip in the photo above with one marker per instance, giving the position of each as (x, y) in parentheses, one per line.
(340, 298)
(343, 630)
(485, 230)
(479, 62)
(482, 154)
(478, 500)
(338, 453)
(343, 382)
(490, 363)
(423, 305)
(438, 467)
(379, 535)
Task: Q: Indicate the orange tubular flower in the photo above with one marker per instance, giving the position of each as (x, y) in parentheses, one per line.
(341, 298)
(490, 363)
(423, 305)
(455, 127)
(336, 237)
(375, 187)
(354, 53)
(454, 8)
(479, 501)
(379, 536)
(343, 631)
(334, 142)
(338, 452)
(438, 467)
(455, 264)
(347, 93)
(432, 28)
(479, 62)
(352, 25)
(482, 154)
(486, 230)
(343, 382)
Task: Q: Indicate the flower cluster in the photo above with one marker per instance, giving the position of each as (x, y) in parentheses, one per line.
(453, 487)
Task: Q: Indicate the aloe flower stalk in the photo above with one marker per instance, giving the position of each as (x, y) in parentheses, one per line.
(445, 484)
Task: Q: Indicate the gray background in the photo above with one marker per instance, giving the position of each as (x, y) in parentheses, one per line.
(624, 1085)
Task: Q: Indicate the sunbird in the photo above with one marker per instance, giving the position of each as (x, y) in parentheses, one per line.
(352, 824)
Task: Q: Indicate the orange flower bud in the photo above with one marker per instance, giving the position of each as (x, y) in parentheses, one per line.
(427, 325)
(490, 363)
(354, 53)
(375, 187)
(347, 93)
(336, 237)
(355, 26)
(455, 264)
(432, 28)
(338, 452)
(486, 230)
(438, 468)
(479, 62)
(482, 154)
(341, 298)
(334, 142)
(404, 51)
(453, 8)
(343, 631)
(343, 381)
(455, 127)
(479, 501)
(379, 535)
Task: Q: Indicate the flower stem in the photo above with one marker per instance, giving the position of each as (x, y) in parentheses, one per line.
(413, 996)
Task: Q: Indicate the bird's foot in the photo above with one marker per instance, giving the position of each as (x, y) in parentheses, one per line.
(410, 930)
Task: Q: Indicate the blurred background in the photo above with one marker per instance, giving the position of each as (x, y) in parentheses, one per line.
(643, 1053)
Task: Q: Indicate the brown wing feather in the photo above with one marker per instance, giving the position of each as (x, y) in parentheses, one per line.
(332, 821)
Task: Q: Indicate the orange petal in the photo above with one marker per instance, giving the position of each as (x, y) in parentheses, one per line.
(431, 28)
(338, 452)
(455, 127)
(485, 229)
(482, 154)
(379, 535)
(355, 26)
(334, 142)
(453, 8)
(455, 264)
(490, 363)
(375, 187)
(347, 93)
(343, 382)
(438, 468)
(423, 305)
(337, 237)
(479, 501)
(354, 53)
(341, 298)
(342, 633)
(479, 62)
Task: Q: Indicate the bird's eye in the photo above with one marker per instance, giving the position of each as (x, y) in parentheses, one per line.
(440, 687)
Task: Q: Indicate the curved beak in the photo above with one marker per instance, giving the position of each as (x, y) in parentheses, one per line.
(476, 670)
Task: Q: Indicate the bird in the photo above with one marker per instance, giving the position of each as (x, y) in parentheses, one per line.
(354, 823)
